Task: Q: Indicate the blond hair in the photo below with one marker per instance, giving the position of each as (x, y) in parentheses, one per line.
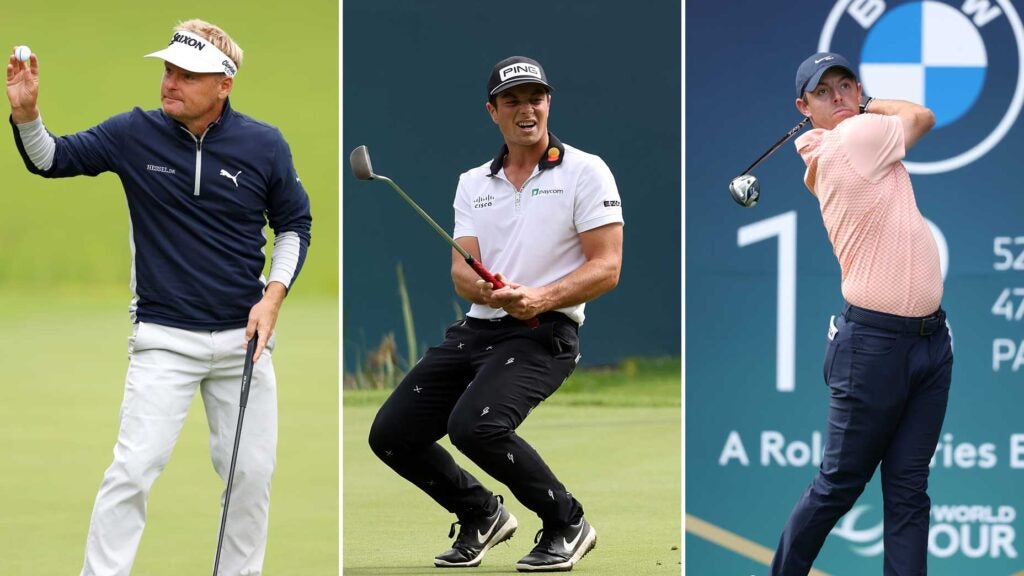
(217, 36)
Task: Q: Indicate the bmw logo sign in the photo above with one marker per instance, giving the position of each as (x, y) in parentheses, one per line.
(965, 61)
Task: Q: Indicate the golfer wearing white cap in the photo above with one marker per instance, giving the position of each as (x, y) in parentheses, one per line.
(201, 182)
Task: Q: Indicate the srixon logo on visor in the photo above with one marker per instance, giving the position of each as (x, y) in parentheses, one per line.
(519, 70)
(188, 41)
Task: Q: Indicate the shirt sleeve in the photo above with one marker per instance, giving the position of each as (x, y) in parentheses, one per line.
(87, 153)
(36, 143)
(597, 197)
(874, 143)
(288, 214)
(463, 211)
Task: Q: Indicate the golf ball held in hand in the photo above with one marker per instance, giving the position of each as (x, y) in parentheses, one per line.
(22, 53)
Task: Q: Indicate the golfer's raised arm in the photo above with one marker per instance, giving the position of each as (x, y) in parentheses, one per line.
(23, 94)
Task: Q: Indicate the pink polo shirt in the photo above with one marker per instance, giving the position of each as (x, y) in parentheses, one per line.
(888, 256)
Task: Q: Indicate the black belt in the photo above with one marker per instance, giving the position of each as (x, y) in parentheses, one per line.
(921, 325)
(505, 321)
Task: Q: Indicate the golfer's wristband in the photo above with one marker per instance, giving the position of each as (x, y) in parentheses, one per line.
(864, 104)
(39, 145)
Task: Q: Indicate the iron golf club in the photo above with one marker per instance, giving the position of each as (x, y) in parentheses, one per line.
(744, 188)
(359, 160)
(250, 351)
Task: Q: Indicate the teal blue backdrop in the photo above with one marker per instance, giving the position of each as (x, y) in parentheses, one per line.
(762, 282)
(414, 76)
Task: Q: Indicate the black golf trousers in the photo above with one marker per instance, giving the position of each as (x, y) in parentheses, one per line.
(889, 379)
(478, 386)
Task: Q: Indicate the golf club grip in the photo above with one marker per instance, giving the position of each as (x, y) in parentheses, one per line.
(496, 284)
(250, 351)
(485, 273)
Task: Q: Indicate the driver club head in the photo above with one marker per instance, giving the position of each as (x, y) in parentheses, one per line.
(359, 160)
(744, 190)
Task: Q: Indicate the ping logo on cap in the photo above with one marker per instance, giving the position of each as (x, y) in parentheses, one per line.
(519, 69)
(187, 40)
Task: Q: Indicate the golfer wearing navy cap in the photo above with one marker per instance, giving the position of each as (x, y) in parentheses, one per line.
(889, 359)
(547, 218)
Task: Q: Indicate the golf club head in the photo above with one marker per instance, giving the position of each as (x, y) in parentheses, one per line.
(745, 190)
(359, 160)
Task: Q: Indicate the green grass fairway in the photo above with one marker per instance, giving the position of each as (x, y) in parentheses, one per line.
(622, 462)
(64, 359)
(64, 354)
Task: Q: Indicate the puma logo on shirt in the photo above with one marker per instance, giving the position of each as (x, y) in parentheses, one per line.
(234, 178)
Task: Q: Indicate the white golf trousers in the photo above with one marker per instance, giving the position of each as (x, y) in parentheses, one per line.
(166, 366)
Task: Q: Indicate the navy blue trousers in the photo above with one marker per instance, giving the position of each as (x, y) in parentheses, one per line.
(889, 379)
(477, 387)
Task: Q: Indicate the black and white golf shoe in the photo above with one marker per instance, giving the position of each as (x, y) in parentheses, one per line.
(476, 537)
(559, 550)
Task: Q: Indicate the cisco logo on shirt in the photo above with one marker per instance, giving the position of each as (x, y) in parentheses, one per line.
(483, 201)
(964, 60)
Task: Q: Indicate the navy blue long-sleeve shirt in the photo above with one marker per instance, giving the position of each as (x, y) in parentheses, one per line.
(197, 208)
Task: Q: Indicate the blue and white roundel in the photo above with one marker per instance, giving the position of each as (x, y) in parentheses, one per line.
(963, 59)
(926, 52)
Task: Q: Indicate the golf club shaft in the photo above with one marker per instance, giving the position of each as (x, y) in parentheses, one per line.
(476, 266)
(479, 268)
(359, 160)
(250, 351)
(429, 220)
(781, 141)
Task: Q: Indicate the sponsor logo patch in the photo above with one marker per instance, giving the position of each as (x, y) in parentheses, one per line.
(155, 168)
(187, 41)
(611, 203)
(483, 201)
(516, 70)
(233, 178)
(545, 192)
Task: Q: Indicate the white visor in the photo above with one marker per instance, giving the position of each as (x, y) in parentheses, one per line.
(195, 54)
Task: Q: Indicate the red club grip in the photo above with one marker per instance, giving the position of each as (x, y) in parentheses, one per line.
(485, 273)
(496, 284)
